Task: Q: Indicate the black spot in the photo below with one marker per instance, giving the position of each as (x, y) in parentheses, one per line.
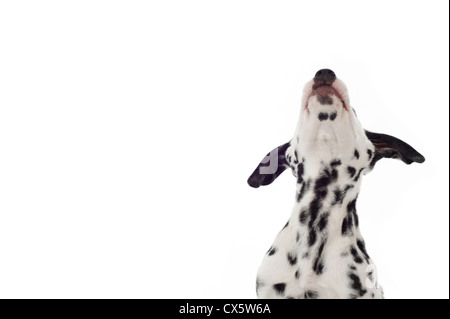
(351, 211)
(324, 99)
(357, 175)
(292, 259)
(320, 250)
(298, 237)
(344, 228)
(333, 116)
(355, 255)
(350, 221)
(373, 295)
(318, 263)
(352, 267)
(323, 221)
(279, 288)
(351, 171)
(323, 116)
(310, 294)
(347, 225)
(355, 284)
(314, 208)
(303, 217)
(296, 157)
(356, 218)
(287, 224)
(272, 251)
(312, 237)
(356, 153)
(301, 193)
(321, 194)
(300, 171)
(338, 196)
(347, 187)
(362, 247)
(334, 175)
(335, 162)
(305, 188)
(297, 274)
(322, 183)
(289, 297)
(370, 153)
(305, 255)
(319, 268)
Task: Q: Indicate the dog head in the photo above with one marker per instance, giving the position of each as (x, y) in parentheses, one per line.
(328, 131)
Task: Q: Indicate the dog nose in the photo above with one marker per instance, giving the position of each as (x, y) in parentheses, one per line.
(325, 75)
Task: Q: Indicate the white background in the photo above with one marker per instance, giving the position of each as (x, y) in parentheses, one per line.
(128, 130)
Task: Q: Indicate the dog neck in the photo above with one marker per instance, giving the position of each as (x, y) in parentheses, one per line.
(326, 199)
(325, 210)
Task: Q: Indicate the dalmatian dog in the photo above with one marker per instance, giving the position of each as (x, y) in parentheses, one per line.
(320, 253)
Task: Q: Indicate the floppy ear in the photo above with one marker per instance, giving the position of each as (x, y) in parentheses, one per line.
(387, 146)
(270, 167)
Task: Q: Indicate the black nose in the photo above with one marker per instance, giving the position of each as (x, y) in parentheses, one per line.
(325, 75)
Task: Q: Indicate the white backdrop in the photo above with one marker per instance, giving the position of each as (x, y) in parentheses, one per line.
(128, 130)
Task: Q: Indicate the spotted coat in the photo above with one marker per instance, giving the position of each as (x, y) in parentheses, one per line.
(320, 253)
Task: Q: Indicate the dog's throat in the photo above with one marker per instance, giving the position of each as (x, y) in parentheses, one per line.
(326, 202)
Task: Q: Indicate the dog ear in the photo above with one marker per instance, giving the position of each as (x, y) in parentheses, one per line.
(270, 167)
(387, 146)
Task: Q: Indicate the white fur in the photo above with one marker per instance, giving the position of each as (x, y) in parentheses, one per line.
(318, 143)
